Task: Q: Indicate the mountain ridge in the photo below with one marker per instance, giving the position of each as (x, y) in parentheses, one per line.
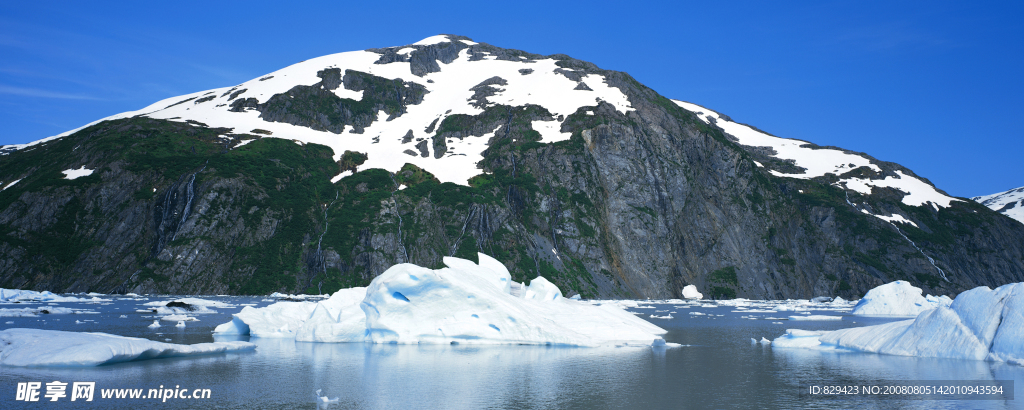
(326, 172)
(1009, 203)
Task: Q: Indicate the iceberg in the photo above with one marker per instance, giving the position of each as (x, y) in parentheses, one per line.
(465, 302)
(37, 347)
(815, 318)
(690, 292)
(898, 298)
(980, 324)
(18, 295)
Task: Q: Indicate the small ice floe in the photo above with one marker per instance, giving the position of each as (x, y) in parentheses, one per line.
(815, 317)
(37, 347)
(669, 316)
(322, 401)
(10, 322)
(124, 317)
(776, 323)
(155, 324)
(181, 323)
(697, 314)
(167, 340)
(799, 338)
(765, 341)
(179, 318)
(78, 322)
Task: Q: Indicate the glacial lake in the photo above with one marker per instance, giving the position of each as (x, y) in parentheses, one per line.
(717, 366)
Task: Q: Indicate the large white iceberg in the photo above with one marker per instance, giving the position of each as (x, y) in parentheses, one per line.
(462, 303)
(898, 298)
(38, 347)
(981, 324)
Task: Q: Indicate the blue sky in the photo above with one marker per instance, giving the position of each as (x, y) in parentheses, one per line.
(935, 86)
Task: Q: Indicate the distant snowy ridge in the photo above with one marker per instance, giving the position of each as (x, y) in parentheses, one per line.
(527, 81)
(1009, 203)
(464, 303)
(819, 161)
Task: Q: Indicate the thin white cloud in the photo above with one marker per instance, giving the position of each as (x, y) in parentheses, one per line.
(33, 92)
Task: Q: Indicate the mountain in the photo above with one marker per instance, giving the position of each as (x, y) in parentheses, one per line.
(325, 173)
(1009, 203)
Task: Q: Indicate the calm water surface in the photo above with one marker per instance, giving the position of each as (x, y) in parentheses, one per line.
(717, 367)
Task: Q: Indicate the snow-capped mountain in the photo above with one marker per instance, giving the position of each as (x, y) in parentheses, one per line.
(470, 78)
(327, 172)
(1009, 203)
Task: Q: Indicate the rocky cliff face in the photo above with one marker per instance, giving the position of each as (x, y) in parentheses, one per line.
(341, 168)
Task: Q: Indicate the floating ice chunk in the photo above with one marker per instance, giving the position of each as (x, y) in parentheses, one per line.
(697, 313)
(898, 298)
(192, 302)
(669, 316)
(181, 323)
(450, 305)
(690, 292)
(980, 324)
(798, 338)
(457, 304)
(9, 322)
(179, 318)
(17, 295)
(235, 327)
(291, 297)
(541, 289)
(37, 347)
(323, 400)
(154, 325)
(123, 317)
(815, 317)
(765, 341)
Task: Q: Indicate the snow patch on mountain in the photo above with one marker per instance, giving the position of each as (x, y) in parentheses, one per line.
(822, 161)
(72, 173)
(1009, 203)
(11, 184)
